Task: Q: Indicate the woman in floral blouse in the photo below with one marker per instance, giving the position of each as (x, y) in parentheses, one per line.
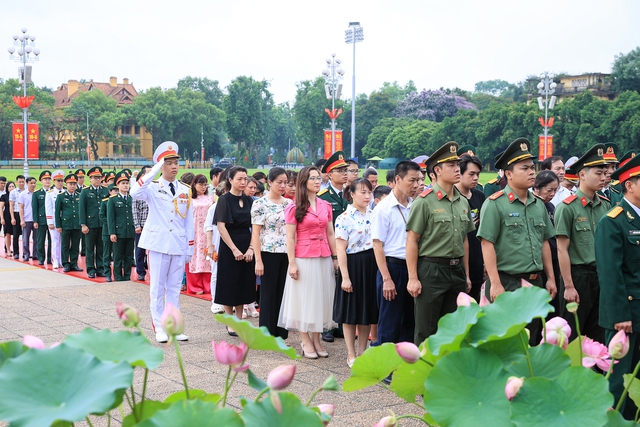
(269, 238)
(199, 271)
(355, 301)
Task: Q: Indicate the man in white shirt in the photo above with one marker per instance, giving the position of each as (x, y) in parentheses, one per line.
(388, 230)
(26, 220)
(50, 207)
(14, 209)
(168, 232)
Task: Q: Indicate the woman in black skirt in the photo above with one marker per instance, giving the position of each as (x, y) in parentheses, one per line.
(236, 281)
(355, 301)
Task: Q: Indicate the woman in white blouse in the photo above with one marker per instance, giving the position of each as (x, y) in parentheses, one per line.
(355, 301)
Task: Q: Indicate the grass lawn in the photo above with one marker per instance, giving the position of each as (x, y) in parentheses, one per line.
(11, 174)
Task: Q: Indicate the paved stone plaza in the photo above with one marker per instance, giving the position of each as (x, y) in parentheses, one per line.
(50, 305)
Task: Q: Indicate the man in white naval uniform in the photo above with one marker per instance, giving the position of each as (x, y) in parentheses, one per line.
(49, 208)
(168, 232)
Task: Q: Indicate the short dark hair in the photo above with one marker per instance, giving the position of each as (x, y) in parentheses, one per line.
(3, 178)
(320, 163)
(143, 169)
(214, 171)
(19, 177)
(546, 163)
(231, 173)
(391, 175)
(465, 159)
(187, 177)
(259, 175)
(357, 182)
(368, 172)
(259, 188)
(381, 190)
(545, 178)
(351, 162)
(276, 172)
(29, 179)
(404, 167)
(623, 184)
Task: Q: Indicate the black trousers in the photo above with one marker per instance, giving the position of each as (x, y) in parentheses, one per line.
(141, 258)
(588, 287)
(69, 243)
(44, 235)
(272, 282)
(17, 232)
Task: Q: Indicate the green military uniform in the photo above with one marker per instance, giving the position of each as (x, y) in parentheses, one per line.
(491, 187)
(576, 218)
(67, 218)
(617, 244)
(120, 224)
(107, 246)
(336, 197)
(610, 156)
(80, 173)
(90, 200)
(442, 224)
(615, 187)
(517, 230)
(40, 217)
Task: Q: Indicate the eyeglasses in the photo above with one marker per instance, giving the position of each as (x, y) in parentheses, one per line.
(340, 170)
(315, 178)
(353, 170)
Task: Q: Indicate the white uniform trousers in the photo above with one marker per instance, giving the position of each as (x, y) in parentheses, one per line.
(56, 249)
(165, 277)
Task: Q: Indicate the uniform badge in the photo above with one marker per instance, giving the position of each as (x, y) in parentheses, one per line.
(630, 216)
(438, 211)
(514, 214)
(471, 153)
(584, 201)
(610, 150)
(439, 194)
(523, 147)
(600, 152)
(634, 232)
(511, 196)
(452, 148)
(581, 219)
(340, 157)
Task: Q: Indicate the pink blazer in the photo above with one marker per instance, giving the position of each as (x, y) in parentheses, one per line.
(311, 233)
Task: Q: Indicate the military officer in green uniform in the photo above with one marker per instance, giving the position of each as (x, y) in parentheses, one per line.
(493, 185)
(80, 174)
(90, 200)
(514, 230)
(576, 218)
(615, 187)
(40, 218)
(437, 246)
(67, 219)
(617, 244)
(121, 229)
(108, 178)
(611, 160)
(336, 167)
(107, 246)
(470, 150)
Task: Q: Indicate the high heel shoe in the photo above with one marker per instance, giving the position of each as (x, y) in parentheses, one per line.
(251, 310)
(321, 353)
(232, 333)
(350, 362)
(311, 355)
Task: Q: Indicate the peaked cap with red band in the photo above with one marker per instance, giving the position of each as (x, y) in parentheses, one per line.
(166, 150)
(335, 161)
(629, 170)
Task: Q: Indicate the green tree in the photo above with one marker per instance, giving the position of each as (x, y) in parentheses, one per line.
(211, 89)
(412, 139)
(279, 133)
(375, 145)
(492, 87)
(626, 71)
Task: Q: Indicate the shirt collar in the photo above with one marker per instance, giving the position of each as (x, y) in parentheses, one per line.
(635, 208)
(334, 188)
(394, 201)
(441, 194)
(512, 196)
(580, 195)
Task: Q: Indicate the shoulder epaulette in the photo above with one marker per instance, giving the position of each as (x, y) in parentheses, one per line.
(113, 195)
(570, 199)
(614, 189)
(323, 191)
(50, 190)
(493, 181)
(425, 192)
(615, 212)
(155, 181)
(603, 197)
(496, 195)
(106, 199)
(616, 182)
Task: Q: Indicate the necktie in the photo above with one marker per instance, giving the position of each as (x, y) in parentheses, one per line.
(606, 193)
(173, 190)
(340, 194)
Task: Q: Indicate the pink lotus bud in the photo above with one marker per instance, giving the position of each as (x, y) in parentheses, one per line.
(558, 332)
(130, 316)
(408, 352)
(229, 354)
(33, 342)
(513, 386)
(525, 284)
(484, 301)
(465, 300)
(619, 345)
(281, 377)
(172, 321)
(275, 401)
(388, 421)
(328, 411)
(241, 368)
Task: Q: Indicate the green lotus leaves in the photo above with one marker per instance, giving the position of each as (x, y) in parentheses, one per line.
(615, 419)
(61, 383)
(142, 412)
(453, 328)
(292, 413)
(106, 345)
(408, 380)
(11, 350)
(373, 366)
(256, 338)
(634, 388)
(547, 361)
(194, 412)
(578, 397)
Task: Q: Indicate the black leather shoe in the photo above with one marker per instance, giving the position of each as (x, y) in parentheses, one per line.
(387, 380)
(66, 269)
(232, 333)
(328, 337)
(76, 268)
(141, 278)
(91, 275)
(100, 275)
(40, 262)
(108, 278)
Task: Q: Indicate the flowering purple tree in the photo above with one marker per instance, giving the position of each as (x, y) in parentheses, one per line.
(432, 105)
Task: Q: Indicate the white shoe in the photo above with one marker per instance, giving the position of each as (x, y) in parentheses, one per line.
(55, 266)
(161, 336)
(182, 337)
(217, 308)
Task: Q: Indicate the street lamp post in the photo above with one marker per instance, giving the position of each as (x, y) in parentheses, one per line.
(25, 53)
(353, 35)
(333, 88)
(546, 87)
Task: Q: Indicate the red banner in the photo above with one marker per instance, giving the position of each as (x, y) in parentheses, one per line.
(545, 149)
(327, 142)
(17, 130)
(33, 141)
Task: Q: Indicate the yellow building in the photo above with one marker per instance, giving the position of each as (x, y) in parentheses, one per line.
(123, 93)
(598, 84)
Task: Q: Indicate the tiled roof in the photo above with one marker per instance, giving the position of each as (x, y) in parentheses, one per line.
(122, 93)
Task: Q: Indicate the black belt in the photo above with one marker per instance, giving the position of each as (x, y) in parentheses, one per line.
(397, 261)
(585, 267)
(526, 276)
(447, 261)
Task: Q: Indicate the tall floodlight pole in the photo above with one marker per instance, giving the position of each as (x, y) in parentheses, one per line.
(24, 51)
(202, 144)
(546, 87)
(353, 35)
(333, 88)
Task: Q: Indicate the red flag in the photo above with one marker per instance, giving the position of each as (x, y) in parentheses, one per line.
(17, 130)
(33, 141)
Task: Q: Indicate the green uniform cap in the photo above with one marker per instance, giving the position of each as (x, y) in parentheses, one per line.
(447, 153)
(516, 151)
(467, 149)
(95, 171)
(44, 174)
(628, 170)
(111, 187)
(127, 171)
(121, 176)
(80, 172)
(335, 161)
(627, 156)
(610, 152)
(593, 157)
(71, 178)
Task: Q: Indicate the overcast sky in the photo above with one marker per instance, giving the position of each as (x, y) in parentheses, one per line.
(433, 43)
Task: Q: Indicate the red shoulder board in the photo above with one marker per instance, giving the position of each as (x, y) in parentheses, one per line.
(603, 197)
(496, 195)
(570, 199)
(425, 192)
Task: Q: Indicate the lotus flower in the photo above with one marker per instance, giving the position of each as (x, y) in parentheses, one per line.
(241, 368)
(172, 321)
(281, 377)
(525, 284)
(229, 354)
(512, 387)
(33, 342)
(275, 401)
(558, 332)
(130, 316)
(619, 345)
(484, 301)
(465, 300)
(388, 421)
(327, 409)
(408, 352)
(595, 354)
